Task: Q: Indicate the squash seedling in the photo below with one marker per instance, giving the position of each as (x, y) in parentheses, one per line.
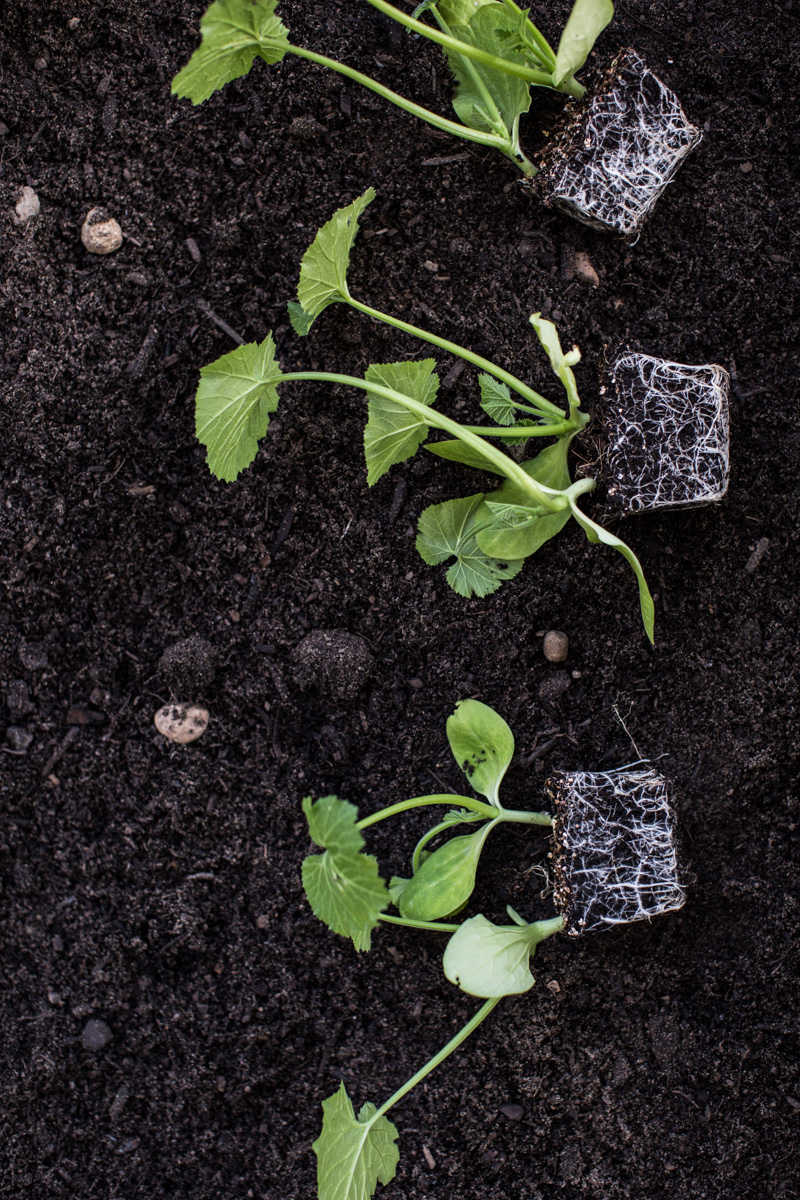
(615, 862)
(615, 154)
(489, 534)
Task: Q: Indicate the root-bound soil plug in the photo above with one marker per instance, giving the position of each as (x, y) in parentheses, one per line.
(615, 857)
(616, 862)
(666, 433)
(613, 159)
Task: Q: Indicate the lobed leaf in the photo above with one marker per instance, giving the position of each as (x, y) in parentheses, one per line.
(323, 269)
(448, 531)
(496, 400)
(236, 395)
(490, 28)
(490, 960)
(343, 886)
(232, 34)
(353, 1155)
(393, 433)
(584, 25)
(482, 744)
(549, 467)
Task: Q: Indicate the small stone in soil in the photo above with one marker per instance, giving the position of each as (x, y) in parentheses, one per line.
(28, 205)
(556, 646)
(182, 723)
(100, 233)
(189, 665)
(584, 271)
(96, 1035)
(335, 662)
(514, 1112)
(18, 738)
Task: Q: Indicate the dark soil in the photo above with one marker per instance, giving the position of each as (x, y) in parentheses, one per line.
(172, 1014)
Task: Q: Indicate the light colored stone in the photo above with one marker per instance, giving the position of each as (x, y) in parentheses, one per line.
(28, 204)
(100, 233)
(584, 271)
(182, 723)
(556, 646)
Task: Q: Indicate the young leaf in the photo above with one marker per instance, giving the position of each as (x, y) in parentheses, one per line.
(548, 467)
(233, 34)
(448, 530)
(353, 1156)
(482, 744)
(446, 879)
(458, 451)
(236, 395)
(393, 433)
(460, 11)
(496, 400)
(323, 270)
(342, 885)
(560, 362)
(596, 533)
(490, 29)
(489, 960)
(584, 25)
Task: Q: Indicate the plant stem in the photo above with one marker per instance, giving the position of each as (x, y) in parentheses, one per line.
(436, 926)
(447, 1050)
(540, 404)
(515, 432)
(524, 818)
(553, 499)
(477, 806)
(437, 829)
(424, 114)
(546, 929)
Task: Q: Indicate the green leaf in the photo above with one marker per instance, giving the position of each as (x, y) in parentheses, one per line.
(458, 11)
(236, 395)
(549, 467)
(496, 400)
(353, 1156)
(323, 270)
(490, 960)
(448, 530)
(393, 432)
(491, 28)
(446, 879)
(596, 533)
(482, 744)
(458, 451)
(560, 362)
(397, 885)
(299, 319)
(233, 34)
(342, 885)
(584, 25)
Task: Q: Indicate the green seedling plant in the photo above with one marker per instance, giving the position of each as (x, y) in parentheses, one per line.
(490, 533)
(483, 959)
(494, 50)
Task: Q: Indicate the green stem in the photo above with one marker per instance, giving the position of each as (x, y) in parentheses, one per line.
(538, 78)
(432, 833)
(444, 1053)
(539, 402)
(524, 818)
(486, 811)
(424, 114)
(436, 926)
(471, 70)
(521, 433)
(542, 45)
(546, 929)
(553, 499)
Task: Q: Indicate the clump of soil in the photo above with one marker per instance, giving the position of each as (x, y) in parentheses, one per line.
(337, 663)
(189, 666)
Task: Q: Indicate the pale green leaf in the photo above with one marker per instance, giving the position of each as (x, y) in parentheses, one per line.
(549, 467)
(496, 400)
(233, 33)
(493, 29)
(353, 1155)
(460, 11)
(323, 270)
(584, 25)
(482, 744)
(397, 885)
(458, 451)
(446, 879)
(596, 533)
(236, 395)
(448, 531)
(561, 363)
(393, 433)
(300, 321)
(343, 886)
(490, 960)
(515, 516)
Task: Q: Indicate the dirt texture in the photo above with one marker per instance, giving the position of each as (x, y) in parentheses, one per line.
(172, 1013)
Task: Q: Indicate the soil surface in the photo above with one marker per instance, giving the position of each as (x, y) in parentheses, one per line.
(172, 1013)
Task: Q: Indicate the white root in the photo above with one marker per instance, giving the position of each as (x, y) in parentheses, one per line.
(630, 139)
(616, 857)
(668, 434)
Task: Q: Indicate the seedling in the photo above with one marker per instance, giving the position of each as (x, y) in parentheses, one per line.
(667, 432)
(489, 534)
(603, 822)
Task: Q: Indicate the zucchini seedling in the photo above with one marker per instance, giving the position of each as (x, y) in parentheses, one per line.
(615, 862)
(489, 534)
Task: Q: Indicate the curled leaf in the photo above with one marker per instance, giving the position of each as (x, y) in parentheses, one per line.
(446, 879)
(491, 960)
(323, 269)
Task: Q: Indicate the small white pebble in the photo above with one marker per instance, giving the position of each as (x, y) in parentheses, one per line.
(584, 270)
(182, 723)
(100, 233)
(28, 204)
(556, 646)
